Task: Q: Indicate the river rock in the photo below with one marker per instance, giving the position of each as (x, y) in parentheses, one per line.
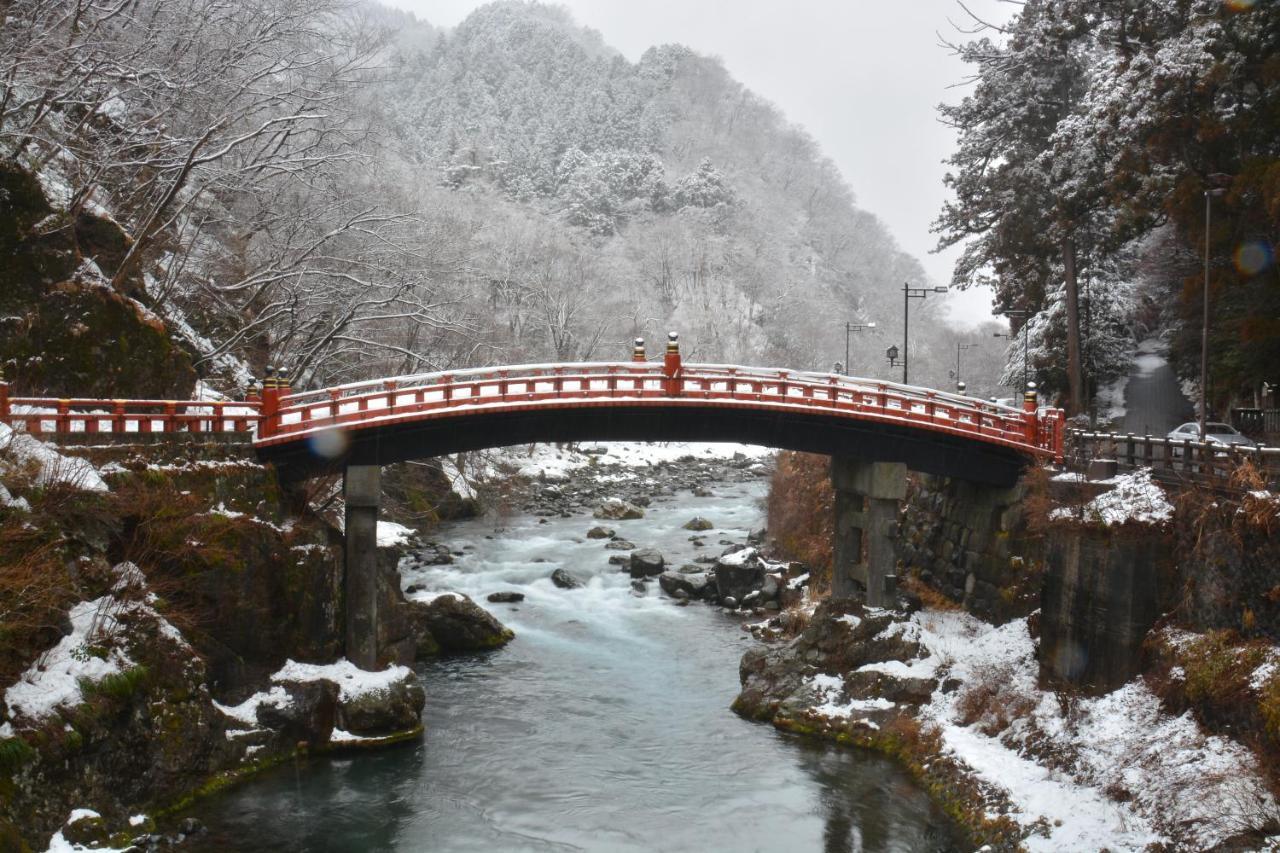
(692, 569)
(739, 573)
(432, 554)
(455, 624)
(564, 580)
(691, 585)
(646, 562)
(638, 587)
(702, 492)
(309, 714)
(601, 533)
(619, 545)
(618, 509)
(505, 597)
(396, 708)
(769, 588)
(623, 560)
(698, 523)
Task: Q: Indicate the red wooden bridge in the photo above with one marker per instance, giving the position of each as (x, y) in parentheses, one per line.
(389, 420)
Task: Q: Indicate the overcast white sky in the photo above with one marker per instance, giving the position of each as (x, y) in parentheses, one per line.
(862, 76)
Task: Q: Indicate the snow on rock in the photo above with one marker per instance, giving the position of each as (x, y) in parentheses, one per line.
(738, 558)
(50, 465)
(1134, 497)
(53, 681)
(391, 534)
(352, 681)
(92, 651)
(246, 713)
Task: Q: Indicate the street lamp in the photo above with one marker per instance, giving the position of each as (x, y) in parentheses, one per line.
(852, 327)
(909, 293)
(1217, 178)
(959, 348)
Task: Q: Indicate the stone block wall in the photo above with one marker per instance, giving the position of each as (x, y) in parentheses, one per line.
(967, 542)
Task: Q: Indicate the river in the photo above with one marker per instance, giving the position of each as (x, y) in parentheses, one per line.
(604, 726)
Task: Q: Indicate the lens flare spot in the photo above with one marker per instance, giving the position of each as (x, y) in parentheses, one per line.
(1240, 5)
(329, 443)
(1253, 257)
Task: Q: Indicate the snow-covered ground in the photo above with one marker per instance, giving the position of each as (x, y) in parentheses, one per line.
(1109, 773)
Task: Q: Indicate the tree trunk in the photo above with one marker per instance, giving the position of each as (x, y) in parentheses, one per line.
(1075, 376)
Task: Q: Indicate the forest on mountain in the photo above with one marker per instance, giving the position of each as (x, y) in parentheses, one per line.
(1107, 148)
(346, 191)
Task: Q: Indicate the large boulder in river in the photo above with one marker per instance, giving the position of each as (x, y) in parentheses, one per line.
(739, 574)
(693, 585)
(308, 715)
(397, 707)
(617, 508)
(601, 533)
(647, 562)
(455, 624)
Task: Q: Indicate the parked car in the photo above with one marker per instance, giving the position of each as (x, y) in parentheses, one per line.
(1223, 435)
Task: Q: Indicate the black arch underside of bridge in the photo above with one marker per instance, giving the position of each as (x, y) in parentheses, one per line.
(921, 450)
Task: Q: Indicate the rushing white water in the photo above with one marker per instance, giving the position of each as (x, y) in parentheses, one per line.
(603, 726)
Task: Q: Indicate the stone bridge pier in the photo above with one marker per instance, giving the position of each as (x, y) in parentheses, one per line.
(869, 498)
(362, 487)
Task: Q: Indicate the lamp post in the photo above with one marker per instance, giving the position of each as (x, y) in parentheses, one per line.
(1204, 327)
(909, 293)
(960, 347)
(852, 327)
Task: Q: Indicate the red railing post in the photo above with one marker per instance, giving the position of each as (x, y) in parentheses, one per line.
(4, 399)
(671, 366)
(63, 422)
(637, 352)
(1030, 415)
(170, 422)
(268, 425)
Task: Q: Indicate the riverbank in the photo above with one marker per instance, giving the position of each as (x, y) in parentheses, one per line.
(1178, 757)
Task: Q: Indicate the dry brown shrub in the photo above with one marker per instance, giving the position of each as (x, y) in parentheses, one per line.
(930, 597)
(801, 511)
(991, 699)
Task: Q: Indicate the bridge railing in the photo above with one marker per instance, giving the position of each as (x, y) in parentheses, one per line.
(1182, 460)
(405, 397)
(41, 416)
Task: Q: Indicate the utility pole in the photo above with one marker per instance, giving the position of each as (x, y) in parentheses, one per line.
(960, 347)
(909, 293)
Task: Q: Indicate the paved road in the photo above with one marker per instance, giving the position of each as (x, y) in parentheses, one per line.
(1154, 401)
